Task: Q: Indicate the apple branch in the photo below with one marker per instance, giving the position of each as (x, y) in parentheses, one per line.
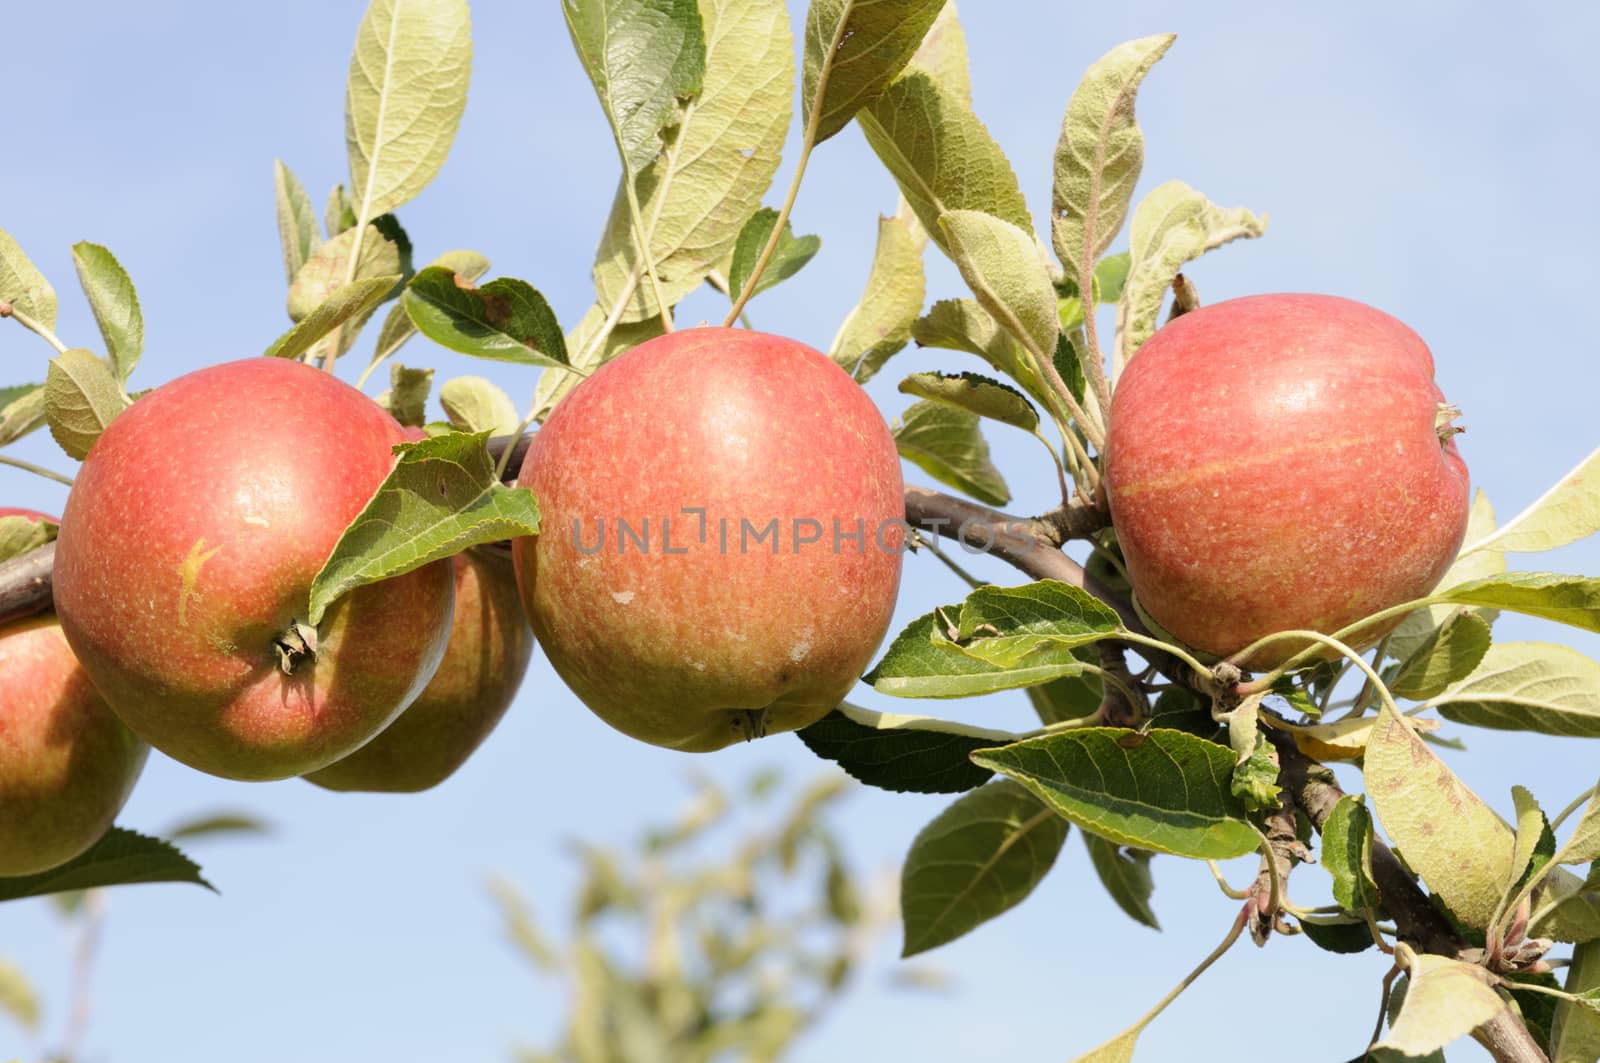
(25, 582)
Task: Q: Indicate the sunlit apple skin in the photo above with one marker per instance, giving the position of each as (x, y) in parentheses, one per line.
(697, 649)
(188, 547)
(67, 764)
(490, 645)
(1275, 463)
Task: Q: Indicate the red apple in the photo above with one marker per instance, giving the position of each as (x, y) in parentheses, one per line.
(652, 587)
(490, 645)
(185, 561)
(67, 764)
(1282, 462)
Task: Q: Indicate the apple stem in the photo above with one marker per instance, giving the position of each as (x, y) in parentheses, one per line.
(38, 327)
(1442, 422)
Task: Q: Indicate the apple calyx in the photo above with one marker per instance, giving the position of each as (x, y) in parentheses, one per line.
(751, 723)
(1446, 413)
(296, 644)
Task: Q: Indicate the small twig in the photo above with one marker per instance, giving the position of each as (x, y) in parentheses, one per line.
(37, 470)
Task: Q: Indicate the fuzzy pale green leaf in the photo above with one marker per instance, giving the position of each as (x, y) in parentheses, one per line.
(859, 46)
(963, 325)
(588, 352)
(788, 257)
(1163, 790)
(1462, 850)
(1099, 155)
(114, 303)
(1002, 265)
(23, 286)
(942, 55)
(18, 535)
(643, 57)
(340, 213)
(1528, 686)
(324, 272)
(297, 219)
(923, 662)
(978, 858)
(404, 98)
(1007, 626)
(1532, 848)
(709, 179)
(1571, 600)
(1575, 1031)
(397, 326)
(441, 497)
(407, 397)
(945, 443)
(1173, 225)
(1419, 626)
(1445, 1000)
(940, 155)
(976, 394)
(22, 410)
(1583, 845)
(881, 323)
(1448, 655)
(348, 302)
(120, 858)
(506, 320)
(81, 398)
(1567, 512)
(476, 404)
(906, 754)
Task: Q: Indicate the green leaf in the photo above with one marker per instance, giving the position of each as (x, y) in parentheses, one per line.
(81, 398)
(353, 301)
(1111, 276)
(1583, 846)
(297, 219)
(945, 443)
(788, 258)
(978, 858)
(1575, 1031)
(407, 397)
(340, 214)
(1531, 851)
(506, 320)
(643, 57)
(1528, 686)
(1567, 512)
(859, 46)
(18, 535)
(940, 155)
(587, 355)
(1002, 265)
(975, 394)
(1071, 697)
(1125, 873)
(1347, 854)
(1173, 225)
(324, 271)
(963, 325)
(906, 754)
(922, 662)
(942, 55)
(1099, 155)
(1449, 655)
(404, 98)
(880, 324)
(1571, 600)
(1419, 626)
(1006, 626)
(475, 404)
(696, 197)
(1117, 1050)
(17, 998)
(217, 824)
(1345, 938)
(1449, 836)
(1255, 777)
(23, 286)
(22, 409)
(1446, 1000)
(442, 497)
(114, 303)
(1163, 790)
(1566, 907)
(120, 858)
(397, 327)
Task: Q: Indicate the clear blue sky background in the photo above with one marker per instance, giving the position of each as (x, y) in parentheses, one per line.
(1435, 160)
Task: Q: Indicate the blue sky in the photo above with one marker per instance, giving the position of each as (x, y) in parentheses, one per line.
(1434, 160)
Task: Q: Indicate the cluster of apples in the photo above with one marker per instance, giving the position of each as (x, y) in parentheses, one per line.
(720, 553)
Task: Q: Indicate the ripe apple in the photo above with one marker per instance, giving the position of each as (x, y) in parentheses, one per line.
(721, 516)
(67, 764)
(185, 560)
(490, 644)
(1282, 462)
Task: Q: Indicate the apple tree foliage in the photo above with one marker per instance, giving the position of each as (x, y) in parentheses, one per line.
(1142, 746)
